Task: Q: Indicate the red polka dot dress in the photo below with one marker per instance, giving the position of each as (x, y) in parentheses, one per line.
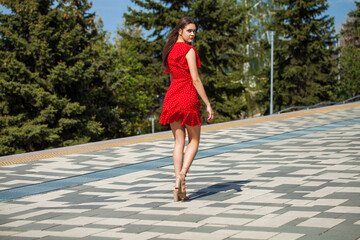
(181, 101)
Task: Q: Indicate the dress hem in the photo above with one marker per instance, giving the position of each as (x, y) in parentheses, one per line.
(190, 118)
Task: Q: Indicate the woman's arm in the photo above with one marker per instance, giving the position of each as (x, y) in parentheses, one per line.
(191, 59)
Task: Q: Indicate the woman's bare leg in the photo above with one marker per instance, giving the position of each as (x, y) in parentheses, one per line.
(192, 147)
(179, 136)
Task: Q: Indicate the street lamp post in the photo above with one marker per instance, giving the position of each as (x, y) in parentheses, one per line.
(153, 107)
(270, 36)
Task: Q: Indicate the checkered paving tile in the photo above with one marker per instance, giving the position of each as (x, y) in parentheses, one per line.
(297, 178)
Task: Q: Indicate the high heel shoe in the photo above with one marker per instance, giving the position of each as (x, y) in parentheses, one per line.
(182, 195)
(180, 191)
(177, 189)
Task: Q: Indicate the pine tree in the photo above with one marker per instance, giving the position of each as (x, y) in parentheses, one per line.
(350, 55)
(304, 46)
(51, 92)
(218, 42)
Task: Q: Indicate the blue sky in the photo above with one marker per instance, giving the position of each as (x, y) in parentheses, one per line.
(111, 11)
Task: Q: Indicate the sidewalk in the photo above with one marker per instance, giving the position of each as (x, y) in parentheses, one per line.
(294, 176)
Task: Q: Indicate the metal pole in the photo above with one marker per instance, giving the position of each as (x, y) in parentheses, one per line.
(270, 35)
(272, 72)
(152, 125)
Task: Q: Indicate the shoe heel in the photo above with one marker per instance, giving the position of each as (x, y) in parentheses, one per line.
(176, 196)
(182, 192)
(177, 189)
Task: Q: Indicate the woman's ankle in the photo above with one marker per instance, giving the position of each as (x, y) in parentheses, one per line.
(182, 175)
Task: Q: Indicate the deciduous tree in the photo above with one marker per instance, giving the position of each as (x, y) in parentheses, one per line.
(350, 55)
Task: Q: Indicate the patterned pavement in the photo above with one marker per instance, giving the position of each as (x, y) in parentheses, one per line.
(291, 178)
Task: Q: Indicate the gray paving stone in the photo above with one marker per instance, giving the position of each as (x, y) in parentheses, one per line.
(130, 228)
(94, 238)
(321, 237)
(304, 209)
(351, 218)
(65, 216)
(150, 217)
(331, 215)
(4, 220)
(352, 201)
(34, 226)
(189, 218)
(102, 226)
(249, 228)
(159, 238)
(304, 230)
(117, 214)
(60, 228)
(57, 238)
(219, 205)
(344, 232)
(43, 216)
(206, 229)
(138, 189)
(170, 229)
(17, 238)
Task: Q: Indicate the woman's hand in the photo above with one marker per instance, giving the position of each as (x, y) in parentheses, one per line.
(210, 113)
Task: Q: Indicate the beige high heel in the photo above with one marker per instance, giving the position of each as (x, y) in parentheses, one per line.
(182, 193)
(177, 189)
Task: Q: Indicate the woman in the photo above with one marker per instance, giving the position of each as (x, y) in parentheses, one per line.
(181, 104)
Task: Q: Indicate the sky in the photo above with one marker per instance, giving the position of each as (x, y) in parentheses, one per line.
(111, 12)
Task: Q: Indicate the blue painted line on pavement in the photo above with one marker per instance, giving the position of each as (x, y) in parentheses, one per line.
(28, 190)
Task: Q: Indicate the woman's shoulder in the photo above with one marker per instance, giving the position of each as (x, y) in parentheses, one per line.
(181, 46)
(183, 50)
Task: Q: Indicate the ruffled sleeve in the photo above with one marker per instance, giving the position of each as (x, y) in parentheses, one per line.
(183, 62)
(198, 63)
(177, 57)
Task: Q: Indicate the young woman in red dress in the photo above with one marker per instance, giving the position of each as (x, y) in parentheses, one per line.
(181, 107)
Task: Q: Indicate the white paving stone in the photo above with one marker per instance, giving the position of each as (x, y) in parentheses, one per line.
(321, 222)
(255, 235)
(345, 209)
(16, 223)
(287, 236)
(227, 221)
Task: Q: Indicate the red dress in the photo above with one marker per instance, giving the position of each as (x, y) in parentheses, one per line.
(181, 100)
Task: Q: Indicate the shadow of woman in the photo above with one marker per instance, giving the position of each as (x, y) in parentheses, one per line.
(217, 188)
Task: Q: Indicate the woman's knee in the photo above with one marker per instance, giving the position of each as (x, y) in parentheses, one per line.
(193, 133)
(180, 142)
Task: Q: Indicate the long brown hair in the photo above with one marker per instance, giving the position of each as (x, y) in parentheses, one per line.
(173, 36)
